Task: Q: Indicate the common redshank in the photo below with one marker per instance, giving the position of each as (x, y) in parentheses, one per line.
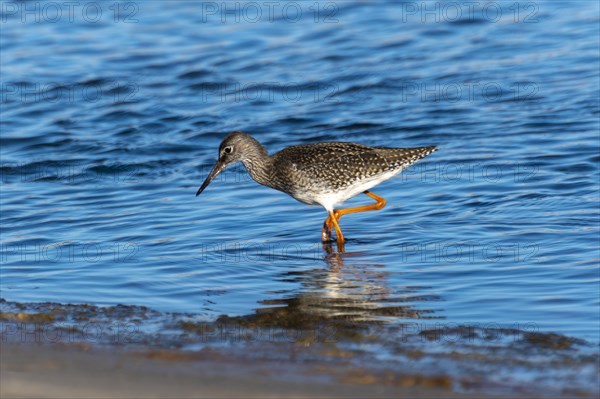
(325, 174)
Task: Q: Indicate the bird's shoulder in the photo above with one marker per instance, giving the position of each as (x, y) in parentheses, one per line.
(307, 156)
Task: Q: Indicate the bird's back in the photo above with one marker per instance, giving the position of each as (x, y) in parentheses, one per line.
(336, 166)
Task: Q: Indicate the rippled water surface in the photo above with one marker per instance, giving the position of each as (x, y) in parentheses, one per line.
(109, 128)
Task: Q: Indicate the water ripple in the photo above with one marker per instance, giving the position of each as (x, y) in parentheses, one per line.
(104, 145)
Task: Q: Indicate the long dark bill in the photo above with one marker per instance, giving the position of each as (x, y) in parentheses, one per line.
(218, 168)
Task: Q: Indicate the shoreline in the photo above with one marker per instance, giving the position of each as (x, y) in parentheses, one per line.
(71, 371)
(66, 350)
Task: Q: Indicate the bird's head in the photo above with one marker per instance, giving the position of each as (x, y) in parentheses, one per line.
(234, 148)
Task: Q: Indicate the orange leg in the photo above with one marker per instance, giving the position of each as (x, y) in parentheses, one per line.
(335, 216)
(338, 232)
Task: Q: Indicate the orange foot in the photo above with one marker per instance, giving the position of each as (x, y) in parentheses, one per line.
(335, 216)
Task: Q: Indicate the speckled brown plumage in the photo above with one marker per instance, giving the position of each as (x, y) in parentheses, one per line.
(332, 167)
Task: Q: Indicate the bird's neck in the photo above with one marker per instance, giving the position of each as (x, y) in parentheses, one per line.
(258, 163)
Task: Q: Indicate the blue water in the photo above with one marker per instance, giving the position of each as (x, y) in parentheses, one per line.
(108, 128)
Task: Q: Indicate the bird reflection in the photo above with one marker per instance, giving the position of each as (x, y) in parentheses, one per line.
(346, 292)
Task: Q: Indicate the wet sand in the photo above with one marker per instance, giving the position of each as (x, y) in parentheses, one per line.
(30, 371)
(51, 350)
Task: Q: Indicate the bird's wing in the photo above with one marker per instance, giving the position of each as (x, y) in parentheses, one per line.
(333, 165)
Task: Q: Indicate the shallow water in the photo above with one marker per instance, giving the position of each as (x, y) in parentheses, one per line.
(109, 128)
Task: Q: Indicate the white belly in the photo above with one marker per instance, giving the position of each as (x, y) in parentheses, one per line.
(331, 199)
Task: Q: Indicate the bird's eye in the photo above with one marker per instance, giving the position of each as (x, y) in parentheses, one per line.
(228, 150)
